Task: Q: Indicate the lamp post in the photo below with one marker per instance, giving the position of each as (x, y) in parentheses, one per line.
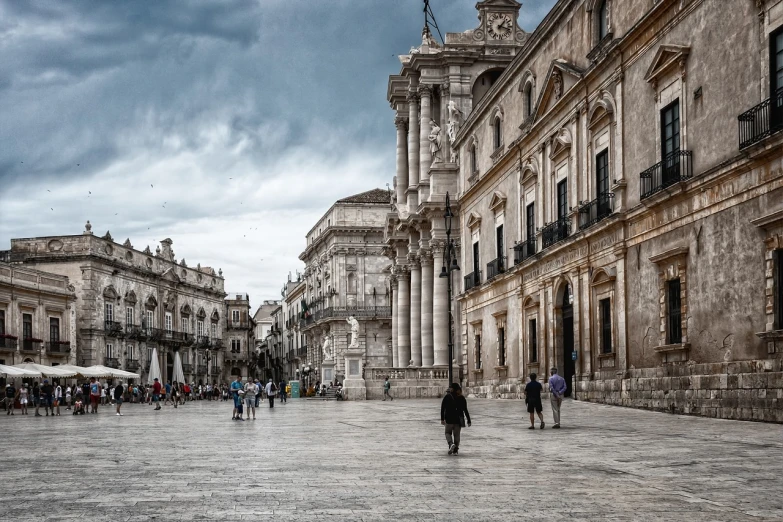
(449, 265)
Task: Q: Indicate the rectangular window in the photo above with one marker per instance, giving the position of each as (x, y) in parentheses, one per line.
(183, 324)
(602, 174)
(235, 316)
(129, 316)
(476, 261)
(149, 355)
(110, 351)
(108, 312)
(779, 289)
(562, 199)
(502, 346)
(776, 60)
(150, 320)
(2, 322)
(670, 128)
(54, 329)
(200, 328)
(532, 335)
(478, 351)
(530, 222)
(27, 326)
(167, 319)
(674, 311)
(499, 240)
(605, 311)
(132, 352)
(214, 330)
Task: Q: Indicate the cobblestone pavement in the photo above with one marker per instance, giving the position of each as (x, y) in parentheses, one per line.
(378, 461)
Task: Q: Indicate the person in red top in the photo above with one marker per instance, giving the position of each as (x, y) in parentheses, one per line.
(95, 394)
(156, 387)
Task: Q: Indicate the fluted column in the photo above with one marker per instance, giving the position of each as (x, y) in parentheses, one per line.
(402, 159)
(413, 139)
(425, 158)
(440, 314)
(415, 312)
(427, 353)
(394, 307)
(403, 318)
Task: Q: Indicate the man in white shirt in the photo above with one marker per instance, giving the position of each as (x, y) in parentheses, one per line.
(271, 389)
(251, 389)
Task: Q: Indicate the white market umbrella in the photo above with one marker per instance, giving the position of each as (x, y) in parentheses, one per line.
(105, 371)
(12, 371)
(154, 368)
(85, 372)
(179, 375)
(47, 371)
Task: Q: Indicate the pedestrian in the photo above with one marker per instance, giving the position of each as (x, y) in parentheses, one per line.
(236, 387)
(271, 389)
(23, 398)
(156, 389)
(533, 400)
(37, 398)
(103, 396)
(58, 397)
(386, 389)
(95, 394)
(281, 388)
(68, 397)
(167, 397)
(47, 397)
(118, 390)
(557, 388)
(260, 391)
(453, 410)
(251, 391)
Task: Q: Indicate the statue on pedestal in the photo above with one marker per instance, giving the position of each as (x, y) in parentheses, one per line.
(354, 332)
(327, 348)
(434, 138)
(455, 116)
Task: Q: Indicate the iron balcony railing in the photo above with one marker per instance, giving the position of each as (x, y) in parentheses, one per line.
(202, 341)
(135, 331)
(111, 362)
(524, 250)
(242, 323)
(472, 280)
(675, 167)
(31, 345)
(58, 347)
(217, 343)
(301, 352)
(763, 120)
(594, 211)
(496, 267)
(112, 328)
(555, 231)
(201, 369)
(8, 345)
(132, 364)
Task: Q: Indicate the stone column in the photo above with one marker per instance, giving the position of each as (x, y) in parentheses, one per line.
(394, 307)
(425, 158)
(620, 312)
(415, 312)
(427, 353)
(440, 314)
(403, 318)
(413, 139)
(402, 159)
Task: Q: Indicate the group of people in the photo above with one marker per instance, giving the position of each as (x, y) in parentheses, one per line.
(454, 413)
(248, 395)
(50, 396)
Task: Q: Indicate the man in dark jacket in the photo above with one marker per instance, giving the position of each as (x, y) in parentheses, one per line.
(453, 410)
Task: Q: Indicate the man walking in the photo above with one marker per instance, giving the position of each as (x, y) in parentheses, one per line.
(47, 395)
(557, 387)
(10, 397)
(156, 387)
(533, 400)
(236, 386)
(271, 389)
(453, 410)
(118, 391)
(251, 389)
(283, 395)
(386, 388)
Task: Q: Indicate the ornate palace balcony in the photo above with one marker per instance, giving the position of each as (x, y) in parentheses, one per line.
(187, 368)
(555, 232)
(594, 211)
(241, 324)
(8, 343)
(524, 250)
(132, 365)
(31, 345)
(472, 280)
(135, 331)
(58, 348)
(763, 120)
(496, 267)
(674, 168)
(201, 369)
(111, 362)
(113, 329)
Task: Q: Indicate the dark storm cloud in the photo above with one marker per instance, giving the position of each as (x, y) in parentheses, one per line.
(242, 115)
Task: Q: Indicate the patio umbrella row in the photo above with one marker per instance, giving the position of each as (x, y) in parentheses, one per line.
(65, 370)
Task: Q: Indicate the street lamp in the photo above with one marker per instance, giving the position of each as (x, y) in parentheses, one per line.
(449, 265)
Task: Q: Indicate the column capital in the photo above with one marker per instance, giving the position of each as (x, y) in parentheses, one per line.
(402, 272)
(401, 123)
(444, 88)
(425, 256)
(412, 97)
(425, 90)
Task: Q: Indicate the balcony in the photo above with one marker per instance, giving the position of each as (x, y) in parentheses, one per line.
(187, 368)
(342, 312)
(496, 267)
(238, 324)
(112, 329)
(596, 210)
(135, 331)
(132, 365)
(111, 362)
(555, 232)
(217, 344)
(58, 348)
(202, 341)
(674, 168)
(524, 250)
(8, 344)
(31, 345)
(201, 369)
(472, 280)
(216, 370)
(762, 121)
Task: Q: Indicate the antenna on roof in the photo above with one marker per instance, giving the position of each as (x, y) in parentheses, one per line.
(429, 19)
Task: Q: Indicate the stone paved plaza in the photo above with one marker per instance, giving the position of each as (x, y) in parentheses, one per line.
(377, 461)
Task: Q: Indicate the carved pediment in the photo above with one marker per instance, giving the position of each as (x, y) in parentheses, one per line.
(474, 220)
(529, 170)
(666, 58)
(562, 76)
(130, 297)
(215, 315)
(498, 201)
(151, 302)
(201, 313)
(185, 309)
(170, 275)
(561, 143)
(603, 275)
(110, 293)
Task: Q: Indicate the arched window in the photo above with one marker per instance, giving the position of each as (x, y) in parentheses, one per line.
(528, 100)
(473, 159)
(602, 20)
(498, 133)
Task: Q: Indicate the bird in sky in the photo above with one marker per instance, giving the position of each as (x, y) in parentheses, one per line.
(52, 209)
(150, 184)
(47, 190)
(89, 191)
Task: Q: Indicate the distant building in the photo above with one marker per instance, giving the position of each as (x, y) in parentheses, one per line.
(239, 337)
(264, 320)
(294, 340)
(130, 301)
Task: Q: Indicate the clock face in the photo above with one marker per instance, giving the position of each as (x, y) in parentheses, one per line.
(499, 26)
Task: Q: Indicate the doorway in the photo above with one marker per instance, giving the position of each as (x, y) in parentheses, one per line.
(569, 364)
(169, 367)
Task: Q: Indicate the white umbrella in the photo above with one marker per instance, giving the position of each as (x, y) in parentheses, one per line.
(85, 372)
(105, 371)
(47, 371)
(179, 375)
(154, 368)
(12, 371)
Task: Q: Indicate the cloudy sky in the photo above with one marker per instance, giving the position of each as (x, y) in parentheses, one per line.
(228, 126)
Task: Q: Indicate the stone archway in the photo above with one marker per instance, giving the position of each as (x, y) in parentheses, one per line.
(564, 334)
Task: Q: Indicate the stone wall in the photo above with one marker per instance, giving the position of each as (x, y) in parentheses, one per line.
(407, 383)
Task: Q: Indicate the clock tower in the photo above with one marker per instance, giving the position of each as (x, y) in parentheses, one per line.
(498, 22)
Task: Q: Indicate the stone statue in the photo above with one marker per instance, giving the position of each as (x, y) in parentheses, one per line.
(434, 138)
(354, 332)
(455, 157)
(327, 348)
(455, 117)
(557, 79)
